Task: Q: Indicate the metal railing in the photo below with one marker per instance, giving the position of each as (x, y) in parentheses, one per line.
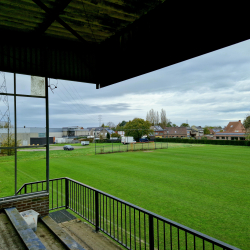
(119, 147)
(129, 225)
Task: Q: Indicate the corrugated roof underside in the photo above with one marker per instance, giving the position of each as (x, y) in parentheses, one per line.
(93, 20)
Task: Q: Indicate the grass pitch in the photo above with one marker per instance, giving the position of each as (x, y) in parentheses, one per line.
(205, 187)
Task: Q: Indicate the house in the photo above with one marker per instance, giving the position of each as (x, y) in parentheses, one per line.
(74, 131)
(233, 131)
(175, 132)
(97, 131)
(158, 132)
(196, 132)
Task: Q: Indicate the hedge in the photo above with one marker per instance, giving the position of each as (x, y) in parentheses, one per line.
(200, 141)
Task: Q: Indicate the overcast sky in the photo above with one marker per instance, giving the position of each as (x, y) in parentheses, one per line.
(212, 89)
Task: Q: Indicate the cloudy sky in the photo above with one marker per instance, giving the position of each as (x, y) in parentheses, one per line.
(212, 89)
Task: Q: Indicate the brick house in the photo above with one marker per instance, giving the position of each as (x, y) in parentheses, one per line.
(175, 132)
(233, 131)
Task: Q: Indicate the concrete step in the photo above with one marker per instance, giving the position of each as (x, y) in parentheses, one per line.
(68, 241)
(50, 241)
(9, 238)
(25, 232)
(85, 235)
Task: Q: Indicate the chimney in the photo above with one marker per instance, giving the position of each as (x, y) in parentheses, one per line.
(239, 120)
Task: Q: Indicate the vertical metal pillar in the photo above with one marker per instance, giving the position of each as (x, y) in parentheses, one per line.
(96, 211)
(47, 132)
(15, 129)
(151, 232)
(66, 193)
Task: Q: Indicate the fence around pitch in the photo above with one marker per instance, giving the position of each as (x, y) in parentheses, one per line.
(131, 226)
(113, 148)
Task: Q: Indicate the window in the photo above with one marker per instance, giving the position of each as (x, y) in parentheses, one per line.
(232, 126)
(217, 137)
(236, 130)
(223, 138)
(175, 131)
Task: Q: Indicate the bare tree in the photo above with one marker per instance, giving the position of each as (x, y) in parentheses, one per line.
(111, 124)
(157, 118)
(151, 116)
(164, 120)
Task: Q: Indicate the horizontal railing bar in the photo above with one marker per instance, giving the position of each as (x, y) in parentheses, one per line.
(35, 96)
(44, 181)
(38, 146)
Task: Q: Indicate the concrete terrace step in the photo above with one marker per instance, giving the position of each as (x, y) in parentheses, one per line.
(28, 236)
(48, 238)
(84, 234)
(61, 234)
(9, 238)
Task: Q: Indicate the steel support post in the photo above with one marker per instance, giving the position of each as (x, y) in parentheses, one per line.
(96, 211)
(66, 193)
(47, 132)
(15, 134)
(151, 232)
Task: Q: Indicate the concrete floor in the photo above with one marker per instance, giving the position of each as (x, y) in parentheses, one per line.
(80, 231)
(9, 238)
(84, 234)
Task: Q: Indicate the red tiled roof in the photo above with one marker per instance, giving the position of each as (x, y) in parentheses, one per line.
(235, 127)
(176, 131)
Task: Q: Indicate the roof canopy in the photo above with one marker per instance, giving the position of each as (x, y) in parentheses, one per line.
(107, 41)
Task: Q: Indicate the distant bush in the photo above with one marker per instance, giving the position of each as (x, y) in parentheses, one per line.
(202, 141)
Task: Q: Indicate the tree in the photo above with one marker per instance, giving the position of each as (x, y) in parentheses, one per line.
(157, 118)
(122, 124)
(246, 123)
(103, 125)
(169, 124)
(184, 125)
(137, 128)
(151, 116)
(164, 120)
(174, 125)
(6, 125)
(115, 135)
(206, 131)
(9, 141)
(110, 125)
(101, 138)
(108, 135)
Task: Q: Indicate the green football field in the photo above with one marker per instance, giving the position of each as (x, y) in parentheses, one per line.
(204, 187)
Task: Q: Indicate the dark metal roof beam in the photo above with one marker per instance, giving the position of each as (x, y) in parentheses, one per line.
(50, 18)
(58, 19)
